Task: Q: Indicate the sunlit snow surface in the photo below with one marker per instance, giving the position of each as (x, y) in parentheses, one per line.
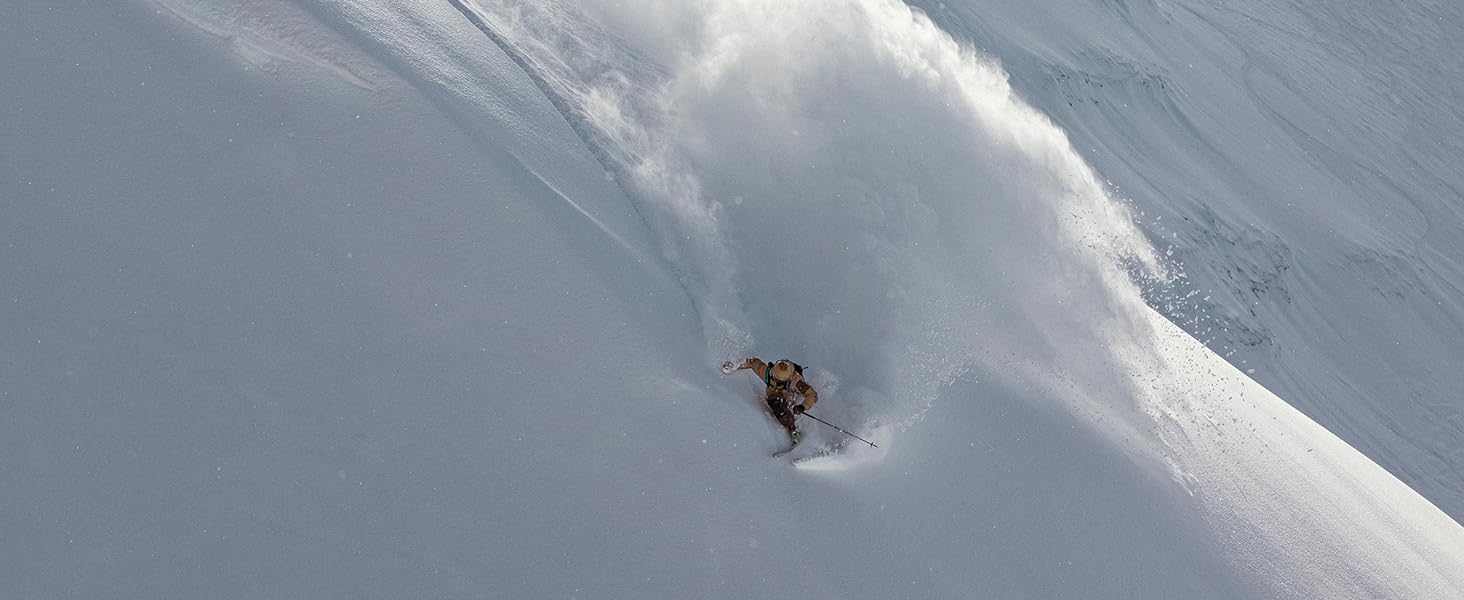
(433, 309)
(1300, 159)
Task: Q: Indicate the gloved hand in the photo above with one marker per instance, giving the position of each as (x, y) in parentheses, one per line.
(727, 367)
(797, 409)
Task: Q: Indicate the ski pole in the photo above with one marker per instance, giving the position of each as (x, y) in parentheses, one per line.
(810, 415)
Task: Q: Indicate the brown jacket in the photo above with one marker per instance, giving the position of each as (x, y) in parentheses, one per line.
(796, 384)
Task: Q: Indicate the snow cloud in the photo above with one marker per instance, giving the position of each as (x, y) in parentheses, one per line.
(824, 175)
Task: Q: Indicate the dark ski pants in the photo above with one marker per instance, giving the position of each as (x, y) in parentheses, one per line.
(785, 417)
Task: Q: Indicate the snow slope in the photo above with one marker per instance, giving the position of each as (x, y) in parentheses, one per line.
(1300, 160)
(339, 299)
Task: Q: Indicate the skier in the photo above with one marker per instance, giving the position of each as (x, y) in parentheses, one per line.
(784, 379)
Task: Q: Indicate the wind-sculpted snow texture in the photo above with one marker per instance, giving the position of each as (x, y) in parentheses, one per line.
(336, 298)
(1300, 158)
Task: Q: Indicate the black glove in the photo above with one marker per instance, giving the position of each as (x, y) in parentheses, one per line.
(797, 409)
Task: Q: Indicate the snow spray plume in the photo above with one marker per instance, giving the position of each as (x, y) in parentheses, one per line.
(846, 183)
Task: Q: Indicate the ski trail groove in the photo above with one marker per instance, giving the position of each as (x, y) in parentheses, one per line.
(587, 138)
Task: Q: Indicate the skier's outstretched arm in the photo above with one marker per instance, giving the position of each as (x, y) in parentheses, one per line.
(758, 367)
